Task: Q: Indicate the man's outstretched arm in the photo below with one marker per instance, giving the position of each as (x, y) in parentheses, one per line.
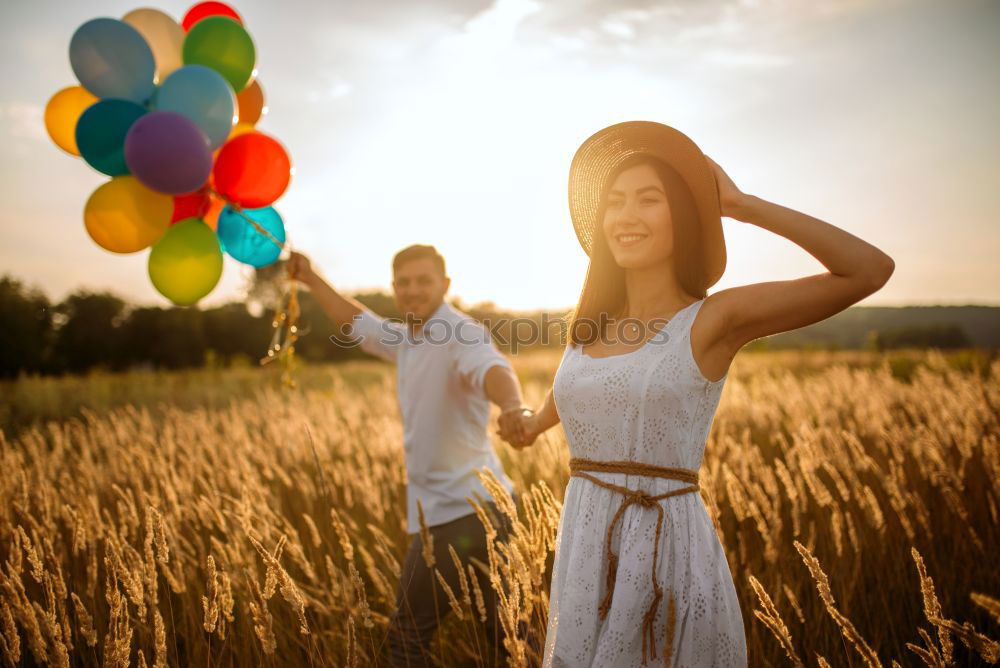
(503, 388)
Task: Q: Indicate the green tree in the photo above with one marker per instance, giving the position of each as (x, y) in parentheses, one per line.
(231, 331)
(26, 334)
(948, 336)
(171, 338)
(89, 334)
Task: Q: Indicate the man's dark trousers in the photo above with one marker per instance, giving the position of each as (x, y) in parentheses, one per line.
(421, 602)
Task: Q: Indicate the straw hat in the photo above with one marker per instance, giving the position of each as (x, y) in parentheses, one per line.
(599, 156)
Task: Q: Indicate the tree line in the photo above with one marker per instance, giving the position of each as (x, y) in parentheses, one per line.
(89, 330)
(98, 330)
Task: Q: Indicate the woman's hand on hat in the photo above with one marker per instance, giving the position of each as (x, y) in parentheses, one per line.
(731, 198)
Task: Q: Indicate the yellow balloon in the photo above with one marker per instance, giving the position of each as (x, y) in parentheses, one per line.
(61, 114)
(186, 264)
(164, 36)
(124, 216)
(240, 129)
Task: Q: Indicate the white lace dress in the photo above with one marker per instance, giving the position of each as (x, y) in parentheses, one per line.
(653, 406)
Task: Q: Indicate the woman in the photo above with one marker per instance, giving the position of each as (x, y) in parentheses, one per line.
(640, 576)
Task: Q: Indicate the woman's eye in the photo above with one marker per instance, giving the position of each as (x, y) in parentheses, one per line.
(650, 200)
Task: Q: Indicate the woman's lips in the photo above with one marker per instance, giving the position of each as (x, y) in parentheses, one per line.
(626, 240)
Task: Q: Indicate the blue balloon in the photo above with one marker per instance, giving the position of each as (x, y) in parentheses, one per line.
(101, 132)
(111, 59)
(204, 96)
(241, 240)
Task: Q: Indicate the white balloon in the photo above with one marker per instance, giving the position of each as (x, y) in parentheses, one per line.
(164, 36)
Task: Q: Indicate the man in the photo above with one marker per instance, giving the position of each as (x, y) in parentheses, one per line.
(448, 372)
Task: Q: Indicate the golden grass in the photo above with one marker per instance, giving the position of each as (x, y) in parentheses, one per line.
(208, 519)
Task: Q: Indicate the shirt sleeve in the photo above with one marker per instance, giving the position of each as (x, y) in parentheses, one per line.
(379, 336)
(474, 354)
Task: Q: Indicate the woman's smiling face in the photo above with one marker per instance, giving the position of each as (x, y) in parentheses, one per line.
(637, 223)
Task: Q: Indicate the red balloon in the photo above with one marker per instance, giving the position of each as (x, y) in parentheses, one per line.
(252, 170)
(192, 205)
(205, 9)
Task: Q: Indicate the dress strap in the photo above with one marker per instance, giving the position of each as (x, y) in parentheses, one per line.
(578, 468)
(691, 312)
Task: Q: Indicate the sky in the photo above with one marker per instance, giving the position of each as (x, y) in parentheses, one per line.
(453, 123)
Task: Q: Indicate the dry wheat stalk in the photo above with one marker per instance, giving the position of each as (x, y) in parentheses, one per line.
(846, 627)
(772, 619)
(932, 607)
(988, 603)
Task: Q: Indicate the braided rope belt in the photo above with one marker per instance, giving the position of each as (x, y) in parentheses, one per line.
(578, 467)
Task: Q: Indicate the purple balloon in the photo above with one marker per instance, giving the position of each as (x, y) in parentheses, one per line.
(168, 153)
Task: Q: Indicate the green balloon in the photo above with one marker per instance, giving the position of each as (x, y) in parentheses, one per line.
(186, 263)
(225, 46)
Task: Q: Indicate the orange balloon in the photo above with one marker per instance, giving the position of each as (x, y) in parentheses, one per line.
(61, 114)
(239, 129)
(211, 216)
(250, 101)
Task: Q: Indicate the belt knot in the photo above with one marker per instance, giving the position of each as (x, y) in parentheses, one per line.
(643, 499)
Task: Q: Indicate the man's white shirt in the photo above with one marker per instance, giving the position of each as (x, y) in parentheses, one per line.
(440, 374)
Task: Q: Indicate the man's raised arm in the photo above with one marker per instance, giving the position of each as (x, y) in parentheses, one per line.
(341, 309)
(378, 336)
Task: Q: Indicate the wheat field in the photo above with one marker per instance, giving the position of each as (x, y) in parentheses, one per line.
(214, 518)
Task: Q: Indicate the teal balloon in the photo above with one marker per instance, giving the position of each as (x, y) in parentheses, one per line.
(241, 240)
(204, 96)
(101, 131)
(225, 46)
(111, 59)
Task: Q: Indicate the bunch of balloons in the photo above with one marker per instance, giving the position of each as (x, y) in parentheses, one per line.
(168, 111)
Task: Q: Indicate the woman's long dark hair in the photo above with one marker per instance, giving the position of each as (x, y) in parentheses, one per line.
(604, 286)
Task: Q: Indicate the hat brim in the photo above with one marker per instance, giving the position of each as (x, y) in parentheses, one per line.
(601, 155)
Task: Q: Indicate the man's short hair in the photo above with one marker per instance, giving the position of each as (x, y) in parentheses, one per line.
(418, 252)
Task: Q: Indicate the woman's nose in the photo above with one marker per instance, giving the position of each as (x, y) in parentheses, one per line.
(627, 213)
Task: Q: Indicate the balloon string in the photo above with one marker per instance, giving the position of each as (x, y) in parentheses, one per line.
(238, 210)
(286, 333)
(286, 317)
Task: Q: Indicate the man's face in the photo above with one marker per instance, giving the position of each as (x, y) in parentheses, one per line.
(419, 288)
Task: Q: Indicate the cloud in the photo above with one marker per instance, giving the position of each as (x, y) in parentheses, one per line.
(335, 89)
(502, 19)
(23, 120)
(728, 33)
(23, 123)
(749, 59)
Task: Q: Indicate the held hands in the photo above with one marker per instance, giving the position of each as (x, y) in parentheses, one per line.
(518, 427)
